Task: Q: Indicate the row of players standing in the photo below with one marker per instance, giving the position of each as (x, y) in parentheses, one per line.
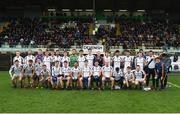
(49, 57)
(146, 63)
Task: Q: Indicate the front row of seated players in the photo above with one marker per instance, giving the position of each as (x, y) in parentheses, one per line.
(38, 75)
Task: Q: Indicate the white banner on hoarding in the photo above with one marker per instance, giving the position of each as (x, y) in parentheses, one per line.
(95, 48)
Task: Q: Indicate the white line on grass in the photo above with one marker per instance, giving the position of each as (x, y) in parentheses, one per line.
(175, 85)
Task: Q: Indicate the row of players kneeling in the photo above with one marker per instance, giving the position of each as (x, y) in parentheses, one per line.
(68, 82)
(117, 79)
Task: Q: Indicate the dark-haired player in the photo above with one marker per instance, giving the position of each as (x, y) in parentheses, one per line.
(28, 73)
(45, 77)
(150, 64)
(116, 60)
(107, 75)
(86, 74)
(129, 77)
(19, 58)
(118, 75)
(15, 73)
(140, 76)
(66, 75)
(161, 72)
(90, 57)
(127, 61)
(81, 59)
(96, 74)
(76, 73)
(56, 73)
(38, 69)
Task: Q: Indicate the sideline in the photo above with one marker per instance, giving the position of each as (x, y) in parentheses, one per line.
(177, 86)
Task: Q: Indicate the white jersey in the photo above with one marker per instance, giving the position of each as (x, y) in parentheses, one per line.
(47, 61)
(152, 62)
(15, 70)
(107, 71)
(90, 59)
(86, 71)
(81, 61)
(66, 71)
(52, 58)
(140, 61)
(58, 58)
(139, 74)
(28, 69)
(45, 72)
(96, 70)
(56, 71)
(128, 75)
(118, 75)
(65, 59)
(107, 59)
(38, 68)
(20, 59)
(75, 71)
(29, 57)
(127, 61)
(117, 61)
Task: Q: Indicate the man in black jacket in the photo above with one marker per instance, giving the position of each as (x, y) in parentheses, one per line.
(98, 58)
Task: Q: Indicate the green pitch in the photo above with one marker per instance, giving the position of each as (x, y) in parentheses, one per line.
(37, 100)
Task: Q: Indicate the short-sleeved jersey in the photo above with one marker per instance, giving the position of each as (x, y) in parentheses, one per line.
(127, 61)
(20, 59)
(46, 61)
(45, 73)
(107, 70)
(86, 71)
(56, 71)
(66, 71)
(65, 59)
(96, 70)
(28, 69)
(52, 58)
(128, 75)
(38, 68)
(58, 58)
(81, 60)
(75, 71)
(151, 62)
(118, 75)
(117, 61)
(140, 61)
(29, 57)
(107, 59)
(138, 74)
(90, 59)
(15, 69)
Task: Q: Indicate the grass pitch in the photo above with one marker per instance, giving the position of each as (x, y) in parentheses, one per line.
(37, 100)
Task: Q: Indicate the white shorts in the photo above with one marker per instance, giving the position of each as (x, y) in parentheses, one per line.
(139, 80)
(66, 77)
(74, 78)
(38, 73)
(16, 76)
(28, 75)
(107, 78)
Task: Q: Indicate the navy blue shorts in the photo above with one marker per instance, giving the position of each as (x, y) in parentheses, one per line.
(54, 79)
(85, 79)
(96, 78)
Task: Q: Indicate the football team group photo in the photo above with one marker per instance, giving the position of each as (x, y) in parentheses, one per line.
(51, 70)
(89, 56)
